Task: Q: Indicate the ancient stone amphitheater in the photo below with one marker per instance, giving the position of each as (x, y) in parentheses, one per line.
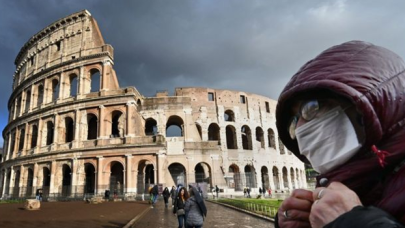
(73, 131)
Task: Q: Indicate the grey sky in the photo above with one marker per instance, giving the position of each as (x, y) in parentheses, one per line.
(251, 45)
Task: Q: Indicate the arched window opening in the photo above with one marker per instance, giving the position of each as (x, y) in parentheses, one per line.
(149, 175)
(292, 178)
(285, 177)
(265, 178)
(214, 132)
(73, 85)
(30, 182)
(250, 176)
(231, 137)
(92, 126)
(66, 180)
(199, 173)
(235, 180)
(246, 138)
(95, 80)
(49, 132)
(18, 110)
(178, 173)
(117, 177)
(46, 181)
(229, 116)
(22, 139)
(146, 176)
(276, 179)
(34, 136)
(199, 130)
(70, 129)
(259, 136)
(55, 89)
(90, 178)
(271, 138)
(117, 124)
(174, 127)
(40, 95)
(27, 101)
(16, 189)
(150, 127)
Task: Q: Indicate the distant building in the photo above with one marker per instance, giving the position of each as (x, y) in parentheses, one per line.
(72, 130)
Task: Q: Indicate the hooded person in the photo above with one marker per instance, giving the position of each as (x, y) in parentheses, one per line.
(344, 112)
(195, 208)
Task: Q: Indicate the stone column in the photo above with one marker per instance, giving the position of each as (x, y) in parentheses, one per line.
(7, 156)
(104, 75)
(74, 175)
(76, 139)
(80, 90)
(39, 137)
(289, 179)
(100, 175)
(56, 129)
(129, 183)
(130, 132)
(21, 181)
(53, 174)
(35, 177)
(62, 85)
(26, 139)
(102, 133)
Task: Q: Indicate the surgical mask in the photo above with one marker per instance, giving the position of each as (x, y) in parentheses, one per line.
(328, 141)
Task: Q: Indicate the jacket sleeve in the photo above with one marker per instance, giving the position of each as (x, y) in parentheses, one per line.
(365, 217)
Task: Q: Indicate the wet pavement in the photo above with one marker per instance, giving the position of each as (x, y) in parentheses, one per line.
(218, 216)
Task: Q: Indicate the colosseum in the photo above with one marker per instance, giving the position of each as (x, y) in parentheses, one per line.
(72, 130)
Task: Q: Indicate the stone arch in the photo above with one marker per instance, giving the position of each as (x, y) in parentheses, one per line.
(117, 124)
(214, 132)
(246, 137)
(19, 105)
(40, 95)
(66, 180)
(250, 176)
(21, 139)
(27, 100)
(174, 126)
(150, 127)
(229, 116)
(271, 138)
(235, 180)
(34, 135)
(92, 126)
(285, 177)
(146, 176)
(46, 180)
(69, 130)
(73, 85)
(276, 178)
(49, 129)
(116, 177)
(203, 173)
(178, 173)
(265, 177)
(231, 137)
(8, 181)
(55, 89)
(260, 136)
(95, 80)
(16, 188)
(90, 178)
(30, 182)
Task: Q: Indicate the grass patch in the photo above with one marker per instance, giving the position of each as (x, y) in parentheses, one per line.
(251, 204)
(11, 201)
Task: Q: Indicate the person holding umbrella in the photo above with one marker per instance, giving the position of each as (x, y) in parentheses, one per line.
(195, 209)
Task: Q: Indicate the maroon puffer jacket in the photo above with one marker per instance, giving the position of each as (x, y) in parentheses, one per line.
(373, 78)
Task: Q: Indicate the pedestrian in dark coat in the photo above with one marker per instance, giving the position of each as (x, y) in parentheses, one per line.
(179, 204)
(195, 209)
(166, 195)
(173, 194)
(344, 113)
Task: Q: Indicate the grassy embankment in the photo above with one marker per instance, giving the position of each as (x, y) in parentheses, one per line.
(267, 207)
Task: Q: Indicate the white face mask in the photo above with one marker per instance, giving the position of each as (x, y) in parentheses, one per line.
(328, 141)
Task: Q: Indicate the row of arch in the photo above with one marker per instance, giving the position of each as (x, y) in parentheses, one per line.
(53, 88)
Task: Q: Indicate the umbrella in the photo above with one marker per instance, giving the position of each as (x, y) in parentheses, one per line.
(199, 200)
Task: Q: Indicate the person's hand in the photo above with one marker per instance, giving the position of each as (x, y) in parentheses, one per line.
(294, 211)
(330, 203)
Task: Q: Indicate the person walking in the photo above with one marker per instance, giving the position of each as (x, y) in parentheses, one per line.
(248, 192)
(260, 190)
(195, 209)
(343, 112)
(264, 192)
(166, 195)
(173, 194)
(216, 190)
(155, 193)
(179, 204)
(270, 193)
(244, 192)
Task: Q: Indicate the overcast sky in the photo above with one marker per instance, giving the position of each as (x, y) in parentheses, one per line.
(251, 45)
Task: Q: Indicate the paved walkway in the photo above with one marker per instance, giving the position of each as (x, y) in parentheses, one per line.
(218, 216)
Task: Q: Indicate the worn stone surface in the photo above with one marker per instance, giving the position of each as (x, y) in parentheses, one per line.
(32, 204)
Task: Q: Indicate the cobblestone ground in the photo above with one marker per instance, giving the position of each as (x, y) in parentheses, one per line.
(218, 216)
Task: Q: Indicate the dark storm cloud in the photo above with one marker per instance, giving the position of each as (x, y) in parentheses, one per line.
(252, 45)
